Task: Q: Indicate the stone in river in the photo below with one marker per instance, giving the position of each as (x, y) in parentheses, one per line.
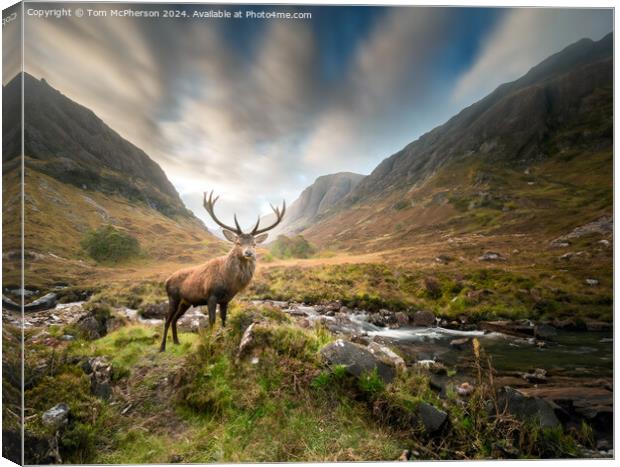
(357, 360)
(423, 318)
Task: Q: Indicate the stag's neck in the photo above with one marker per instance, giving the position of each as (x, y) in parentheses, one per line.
(239, 270)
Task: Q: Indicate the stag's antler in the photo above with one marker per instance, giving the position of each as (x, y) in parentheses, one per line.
(279, 215)
(208, 205)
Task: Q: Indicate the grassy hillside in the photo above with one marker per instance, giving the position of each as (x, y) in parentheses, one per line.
(59, 216)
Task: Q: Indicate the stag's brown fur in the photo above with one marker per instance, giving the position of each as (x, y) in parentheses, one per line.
(213, 283)
(217, 281)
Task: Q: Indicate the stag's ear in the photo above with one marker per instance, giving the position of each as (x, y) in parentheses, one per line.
(231, 237)
(261, 238)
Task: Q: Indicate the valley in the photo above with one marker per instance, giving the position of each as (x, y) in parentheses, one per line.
(494, 230)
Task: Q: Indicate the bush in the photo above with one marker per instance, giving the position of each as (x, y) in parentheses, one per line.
(110, 245)
(292, 247)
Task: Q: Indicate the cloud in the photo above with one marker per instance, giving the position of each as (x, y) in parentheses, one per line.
(525, 37)
(388, 81)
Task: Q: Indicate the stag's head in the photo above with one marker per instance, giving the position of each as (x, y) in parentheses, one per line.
(244, 243)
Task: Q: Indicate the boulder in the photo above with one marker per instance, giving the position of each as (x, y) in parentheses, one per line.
(401, 318)
(387, 355)
(56, 417)
(357, 360)
(9, 304)
(460, 344)
(598, 326)
(491, 256)
(545, 331)
(423, 318)
(464, 389)
(44, 303)
(536, 377)
(192, 321)
(246, 340)
(90, 327)
(101, 377)
(527, 408)
(508, 327)
(155, 311)
(432, 418)
(592, 282)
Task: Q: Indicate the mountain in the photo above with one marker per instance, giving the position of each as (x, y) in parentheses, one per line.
(79, 175)
(315, 202)
(490, 160)
(71, 144)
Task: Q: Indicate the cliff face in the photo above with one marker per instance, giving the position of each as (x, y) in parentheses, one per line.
(70, 143)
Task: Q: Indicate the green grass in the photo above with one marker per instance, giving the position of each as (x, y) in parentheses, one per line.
(480, 292)
(203, 402)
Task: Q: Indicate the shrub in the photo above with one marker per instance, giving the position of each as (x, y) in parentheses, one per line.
(108, 244)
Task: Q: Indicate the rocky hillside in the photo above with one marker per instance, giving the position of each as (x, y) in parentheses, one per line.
(71, 144)
(81, 175)
(536, 149)
(316, 201)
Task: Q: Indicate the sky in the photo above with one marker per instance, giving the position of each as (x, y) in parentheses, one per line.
(256, 109)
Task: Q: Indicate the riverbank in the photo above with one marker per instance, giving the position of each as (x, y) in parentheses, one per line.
(111, 354)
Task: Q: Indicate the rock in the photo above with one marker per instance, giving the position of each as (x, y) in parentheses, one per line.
(603, 225)
(90, 327)
(592, 282)
(344, 309)
(423, 318)
(57, 416)
(508, 327)
(568, 324)
(505, 449)
(527, 408)
(604, 243)
(193, 321)
(387, 355)
(438, 383)
(155, 310)
(545, 331)
(175, 459)
(465, 389)
(559, 244)
(10, 304)
(401, 318)
(101, 377)
(432, 418)
(405, 455)
(44, 303)
(360, 339)
(491, 256)
(67, 337)
(598, 326)
(358, 360)
(443, 259)
(246, 340)
(460, 344)
(537, 376)
(567, 256)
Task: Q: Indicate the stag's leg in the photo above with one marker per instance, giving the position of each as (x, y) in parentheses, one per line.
(212, 304)
(183, 307)
(173, 307)
(223, 310)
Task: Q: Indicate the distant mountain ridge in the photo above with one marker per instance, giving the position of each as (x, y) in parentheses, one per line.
(473, 172)
(316, 201)
(511, 123)
(70, 143)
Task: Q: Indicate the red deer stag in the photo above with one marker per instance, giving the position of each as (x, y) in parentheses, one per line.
(217, 281)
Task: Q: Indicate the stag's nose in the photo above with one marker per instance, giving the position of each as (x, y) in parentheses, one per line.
(248, 253)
